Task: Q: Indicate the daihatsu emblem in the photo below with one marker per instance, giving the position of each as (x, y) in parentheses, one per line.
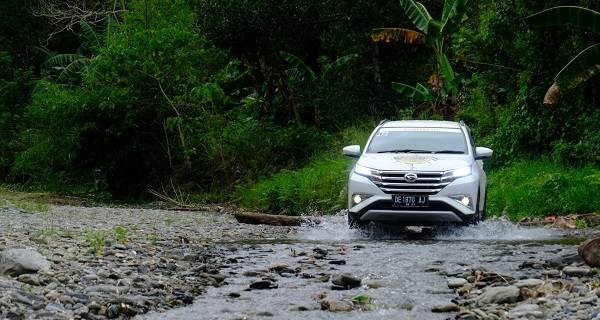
(410, 177)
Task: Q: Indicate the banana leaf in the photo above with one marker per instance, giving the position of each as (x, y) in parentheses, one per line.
(452, 14)
(581, 68)
(417, 13)
(299, 65)
(418, 93)
(566, 15)
(407, 36)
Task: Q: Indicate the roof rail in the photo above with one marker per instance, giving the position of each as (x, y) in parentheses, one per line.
(383, 121)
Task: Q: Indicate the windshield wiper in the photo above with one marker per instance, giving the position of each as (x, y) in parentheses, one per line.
(450, 151)
(405, 151)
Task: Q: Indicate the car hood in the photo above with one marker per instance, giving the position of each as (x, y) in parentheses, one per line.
(414, 162)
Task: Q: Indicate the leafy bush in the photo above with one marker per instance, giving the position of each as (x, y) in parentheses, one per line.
(541, 187)
(320, 186)
(15, 87)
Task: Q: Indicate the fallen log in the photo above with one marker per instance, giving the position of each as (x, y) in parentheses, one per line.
(590, 252)
(273, 220)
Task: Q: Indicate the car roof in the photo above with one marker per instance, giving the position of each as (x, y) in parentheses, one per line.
(420, 124)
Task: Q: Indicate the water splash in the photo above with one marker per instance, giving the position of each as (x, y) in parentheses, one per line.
(497, 229)
(335, 228)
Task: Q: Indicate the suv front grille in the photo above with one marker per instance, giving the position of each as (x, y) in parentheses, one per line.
(394, 182)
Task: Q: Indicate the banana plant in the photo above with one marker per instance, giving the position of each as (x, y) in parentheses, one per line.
(586, 63)
(72, 65)
(302, 75)
(432, 32)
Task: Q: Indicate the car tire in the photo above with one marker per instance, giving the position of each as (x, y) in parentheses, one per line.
(482, 213)
(479, 217)
(354, 223)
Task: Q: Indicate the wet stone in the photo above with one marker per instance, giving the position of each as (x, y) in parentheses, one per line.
(528, 283)
(454, 283)
(263, 284)
(576, 271)
(450, 307)
(336, 305)
(346, 280)
(499, 295)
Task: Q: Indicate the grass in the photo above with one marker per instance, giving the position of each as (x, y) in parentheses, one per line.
(121, 234)
(541, 187)
(28, 202)
(319, 186)
(96, 241)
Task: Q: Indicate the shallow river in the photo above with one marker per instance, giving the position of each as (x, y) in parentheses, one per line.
(391, 263)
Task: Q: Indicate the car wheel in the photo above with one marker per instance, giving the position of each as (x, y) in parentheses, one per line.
(354, 223)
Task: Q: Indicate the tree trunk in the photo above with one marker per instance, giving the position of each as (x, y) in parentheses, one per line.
(273, 220)
(590, 252)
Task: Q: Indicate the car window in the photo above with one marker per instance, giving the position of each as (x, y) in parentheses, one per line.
(418, 140)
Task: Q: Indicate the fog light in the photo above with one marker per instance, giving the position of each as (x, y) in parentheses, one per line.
(464, 200)
(357, 199)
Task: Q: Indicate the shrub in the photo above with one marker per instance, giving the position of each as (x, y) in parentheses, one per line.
(540, 187)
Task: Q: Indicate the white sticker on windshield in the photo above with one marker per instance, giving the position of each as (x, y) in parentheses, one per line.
(421, 130)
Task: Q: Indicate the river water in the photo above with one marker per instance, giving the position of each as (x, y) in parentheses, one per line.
(392, 264)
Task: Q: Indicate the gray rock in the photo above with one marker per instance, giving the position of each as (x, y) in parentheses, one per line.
(15, 262)
(30, 279)
(450, 307)
(106, 289)
(346, 280)
(529, 283)
(499, 295)
(336, 305)
(527, 310)
(454, 283)
(576, 271)
(263, 284)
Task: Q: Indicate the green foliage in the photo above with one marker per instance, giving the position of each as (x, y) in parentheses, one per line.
(96, 241)
(586, 64)
(542, 187)
(121, 234)
(444, 83)
(503, 94)
(319, 186)
(15, 86)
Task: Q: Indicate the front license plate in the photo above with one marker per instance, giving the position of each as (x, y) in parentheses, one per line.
(409, 200)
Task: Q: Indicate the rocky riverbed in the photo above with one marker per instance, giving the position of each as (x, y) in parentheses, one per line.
(110, 262)
(97, 263)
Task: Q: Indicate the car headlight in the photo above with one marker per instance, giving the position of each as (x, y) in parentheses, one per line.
(364, 171)
(456, 173)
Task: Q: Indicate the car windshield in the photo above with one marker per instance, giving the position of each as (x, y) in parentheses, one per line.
(418, 140)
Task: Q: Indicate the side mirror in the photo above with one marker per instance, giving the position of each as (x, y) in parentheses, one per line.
(352, 151)
(483, 153)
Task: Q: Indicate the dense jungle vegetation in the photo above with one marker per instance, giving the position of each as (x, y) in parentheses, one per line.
(250, 101)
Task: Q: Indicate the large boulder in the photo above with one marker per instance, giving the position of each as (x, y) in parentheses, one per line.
(590, 252)
(15, 262)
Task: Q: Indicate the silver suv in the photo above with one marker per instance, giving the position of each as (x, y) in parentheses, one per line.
(417, 173)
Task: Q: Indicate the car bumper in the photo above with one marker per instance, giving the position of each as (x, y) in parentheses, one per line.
(442, 208)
